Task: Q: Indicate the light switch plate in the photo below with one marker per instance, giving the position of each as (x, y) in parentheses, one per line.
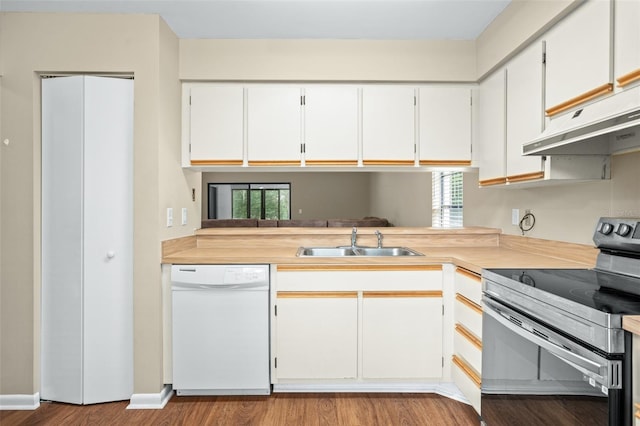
(184, 215)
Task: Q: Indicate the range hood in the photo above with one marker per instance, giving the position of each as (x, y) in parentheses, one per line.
(609, 126)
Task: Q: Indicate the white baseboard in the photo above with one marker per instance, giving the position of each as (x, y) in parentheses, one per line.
(150, 401)
(20, 402)
(445, 389)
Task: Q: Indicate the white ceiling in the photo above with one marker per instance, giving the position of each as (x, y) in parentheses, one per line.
(302, 19)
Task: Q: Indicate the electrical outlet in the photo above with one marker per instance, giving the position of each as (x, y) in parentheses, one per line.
(515, 217)
(169, 217)
(527, 219)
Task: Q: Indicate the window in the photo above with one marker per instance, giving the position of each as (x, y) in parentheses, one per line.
(446, 199)
(250, 200)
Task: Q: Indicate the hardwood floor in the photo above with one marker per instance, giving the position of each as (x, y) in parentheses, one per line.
(366, 409)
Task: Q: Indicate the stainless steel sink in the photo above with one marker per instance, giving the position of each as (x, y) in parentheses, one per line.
(325, 251)
(356, 251)
(386, 251)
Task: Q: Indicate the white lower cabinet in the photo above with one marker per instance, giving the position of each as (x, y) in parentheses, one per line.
(352, 323)
(401, 335)
(467, 337)
(317, 335)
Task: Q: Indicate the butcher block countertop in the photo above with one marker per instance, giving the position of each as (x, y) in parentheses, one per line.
(472, 248)
(632, 323)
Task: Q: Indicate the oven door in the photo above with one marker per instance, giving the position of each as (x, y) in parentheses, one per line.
(532, 375)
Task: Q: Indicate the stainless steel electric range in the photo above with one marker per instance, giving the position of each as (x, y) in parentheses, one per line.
(553, 347)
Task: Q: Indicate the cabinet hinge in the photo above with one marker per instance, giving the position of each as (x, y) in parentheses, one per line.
(442, 362)
(189, 99)
(189, 148)
(544, 57)
(303, 100)
(275, 365)
(443, 310)
(415, 101)
(303, 148)
(275, 310)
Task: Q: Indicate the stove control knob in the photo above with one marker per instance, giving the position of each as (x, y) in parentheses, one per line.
(623, 229)
(606, 228)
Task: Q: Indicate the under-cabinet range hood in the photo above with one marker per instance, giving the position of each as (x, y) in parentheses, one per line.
(609, 126)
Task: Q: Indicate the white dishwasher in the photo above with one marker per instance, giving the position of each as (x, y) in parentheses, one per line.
(220, 329)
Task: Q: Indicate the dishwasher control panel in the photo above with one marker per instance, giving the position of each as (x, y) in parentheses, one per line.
(245, 275)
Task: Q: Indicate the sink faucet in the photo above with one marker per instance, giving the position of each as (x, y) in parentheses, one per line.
(379, 235)
(354, 236)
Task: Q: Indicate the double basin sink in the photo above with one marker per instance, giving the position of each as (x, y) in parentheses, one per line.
(356, 251)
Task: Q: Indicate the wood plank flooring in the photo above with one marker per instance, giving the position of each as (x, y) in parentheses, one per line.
(280, 409)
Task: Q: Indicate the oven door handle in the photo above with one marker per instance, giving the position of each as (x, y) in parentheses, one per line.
(592, 369)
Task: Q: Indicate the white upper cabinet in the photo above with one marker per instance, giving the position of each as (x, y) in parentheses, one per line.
(388, 125)
(579, 57)
(489, 152)
(525, 112)
(331, 125)
(627, 42)
(274, 125)
(216, 115)
(445, 126)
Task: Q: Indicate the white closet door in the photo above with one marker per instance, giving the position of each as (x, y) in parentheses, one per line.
(87, 239)
(61, 315)
(108, 240)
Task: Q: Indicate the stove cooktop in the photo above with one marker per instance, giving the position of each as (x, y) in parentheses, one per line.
(603, 291)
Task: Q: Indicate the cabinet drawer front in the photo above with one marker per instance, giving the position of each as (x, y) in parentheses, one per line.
(468, 347)
(468, 314)
(468, 284)
(465, 383)
(359, 279)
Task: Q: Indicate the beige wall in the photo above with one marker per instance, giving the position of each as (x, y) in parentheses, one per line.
(320, 195)
(565, 212)
(403, 198)
(60, 43)
(327, 60)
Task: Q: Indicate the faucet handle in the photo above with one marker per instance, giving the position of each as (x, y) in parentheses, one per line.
(379, 235)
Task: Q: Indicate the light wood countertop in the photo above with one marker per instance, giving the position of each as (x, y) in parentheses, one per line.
(632, 323)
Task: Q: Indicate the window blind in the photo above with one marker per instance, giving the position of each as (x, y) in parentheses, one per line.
(446, 199)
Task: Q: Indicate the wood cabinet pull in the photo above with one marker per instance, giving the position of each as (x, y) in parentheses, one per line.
(406, 268)
(468, 274)
(629, 78)
(331, 162)
(468, 303)
(470, 373)
(525, 177)
(494, 181)
(427, 293)
(451, 163)
(591, 94)
(388, 162)
(461, 329)
(317, 294)
(216, 162)
(275, 162)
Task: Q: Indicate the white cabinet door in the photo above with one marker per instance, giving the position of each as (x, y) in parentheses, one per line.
(317, 335)
(274, 125)
(525, 115)
(490, 150)
(388, 125)
(627, 41)
(445, 125)
(579, 55)
(87, 239)
(216, 124)
(331, 125)
(401, 335)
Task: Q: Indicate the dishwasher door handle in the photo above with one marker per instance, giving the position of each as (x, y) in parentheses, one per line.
(178, 286)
